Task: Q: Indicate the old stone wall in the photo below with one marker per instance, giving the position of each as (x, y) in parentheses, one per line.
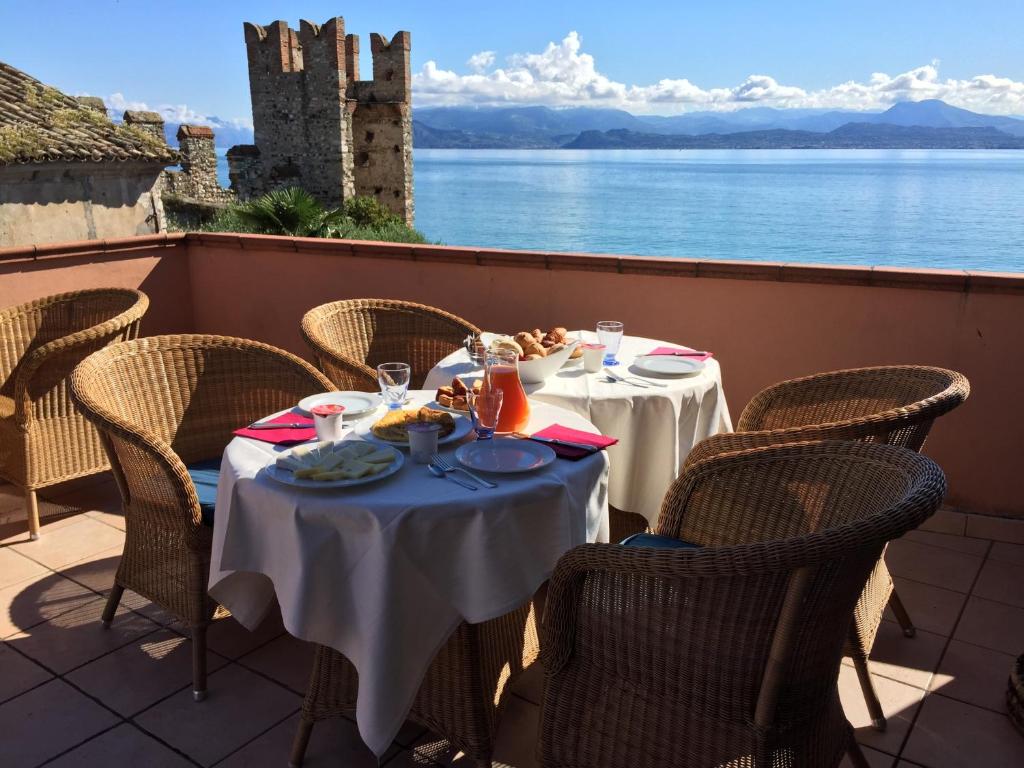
(318, 126)
(60, 202)
(197, 179)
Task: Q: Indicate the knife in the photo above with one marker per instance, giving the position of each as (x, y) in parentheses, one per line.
(564, 443)
(264, 425)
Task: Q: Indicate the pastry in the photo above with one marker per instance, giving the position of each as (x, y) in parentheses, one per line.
(394, 427)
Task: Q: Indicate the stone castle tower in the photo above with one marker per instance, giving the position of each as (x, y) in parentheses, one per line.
(320, 127)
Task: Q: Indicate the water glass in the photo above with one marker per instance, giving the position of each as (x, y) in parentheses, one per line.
(609, 333)
(484, 408)
(394, 383)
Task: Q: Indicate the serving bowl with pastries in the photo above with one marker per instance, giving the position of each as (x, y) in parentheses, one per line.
(540, 353)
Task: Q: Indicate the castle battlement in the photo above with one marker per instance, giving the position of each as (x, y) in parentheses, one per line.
(318, 126)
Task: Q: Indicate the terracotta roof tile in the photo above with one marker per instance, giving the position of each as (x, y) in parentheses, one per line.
(40, 124)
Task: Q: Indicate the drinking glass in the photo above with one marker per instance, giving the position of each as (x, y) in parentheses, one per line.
(394, 383)
(609, 333)
(484, 408)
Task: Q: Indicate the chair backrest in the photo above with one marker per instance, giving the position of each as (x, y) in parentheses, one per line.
(26, 327)
(750, 627)
(164, 401)
(368, 332)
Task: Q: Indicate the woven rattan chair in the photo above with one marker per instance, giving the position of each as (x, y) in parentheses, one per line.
(161, 404)
(43, 440)
(351, 338)
(463, 691)
(896, 405)
(727, 654)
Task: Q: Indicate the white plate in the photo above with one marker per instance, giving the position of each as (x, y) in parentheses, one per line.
(463, 426)
(668, 365)
(504, 456)
(356, 403)
(285, 476)
(433, 404)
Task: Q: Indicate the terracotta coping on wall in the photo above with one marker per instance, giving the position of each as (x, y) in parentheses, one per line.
(91, 247)
(833, 274)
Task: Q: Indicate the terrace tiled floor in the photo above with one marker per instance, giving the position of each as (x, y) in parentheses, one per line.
(74, 695)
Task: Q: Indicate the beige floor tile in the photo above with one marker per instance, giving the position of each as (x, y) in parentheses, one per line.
(875, 759)
(46, 721)
(124, 745)
(899, 703)
(932, 609)
(19, 673)
(76, 637)
(11, 497)
(906, 660)
(937, 566)
(241, 706)
(52, 517)
(996, 528)
(229, 638)
(24, 605)
(334, 742)
(141, 673)
(948, 541)
(1002, 581)
(974, 674)
(951, 734)
(515, 744)
(1008, 553)
(115, 519)
(287, 660)
(15, 567)
(97, 571)
(993, 625)
(946, 521)
(530, 684)
(71, 543)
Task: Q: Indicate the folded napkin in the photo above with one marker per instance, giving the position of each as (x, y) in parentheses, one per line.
(282, 436)
(681, 352)
(558, 432)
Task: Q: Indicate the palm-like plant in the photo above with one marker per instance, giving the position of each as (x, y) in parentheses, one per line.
(291, 211)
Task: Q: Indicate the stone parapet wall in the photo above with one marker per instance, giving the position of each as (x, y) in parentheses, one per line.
(197, 179)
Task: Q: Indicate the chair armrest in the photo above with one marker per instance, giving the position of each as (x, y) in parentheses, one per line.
(346, 373)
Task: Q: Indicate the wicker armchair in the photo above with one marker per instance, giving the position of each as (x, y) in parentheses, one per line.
(161, 403)
(43, 440)
(351, 338)
(727, 653)
(463, 691)
(896, 405)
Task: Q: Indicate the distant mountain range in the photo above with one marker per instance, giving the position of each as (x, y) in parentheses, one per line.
(930, 124)
(907, 125)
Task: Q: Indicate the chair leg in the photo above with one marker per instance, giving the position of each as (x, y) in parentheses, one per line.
(901, 614)
(199, 663)
(32, 511)
(300, 743)
(856, 755)
(870, 697)
(111, 608)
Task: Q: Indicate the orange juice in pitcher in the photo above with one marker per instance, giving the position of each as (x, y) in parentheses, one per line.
(502, 372)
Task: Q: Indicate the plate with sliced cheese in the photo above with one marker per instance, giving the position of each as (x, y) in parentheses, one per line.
(335, 464)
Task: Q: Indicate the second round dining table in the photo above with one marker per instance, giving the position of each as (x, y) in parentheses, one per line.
(656, 425)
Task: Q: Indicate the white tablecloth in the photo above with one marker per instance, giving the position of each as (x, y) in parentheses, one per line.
(656, 427)
(384, 572)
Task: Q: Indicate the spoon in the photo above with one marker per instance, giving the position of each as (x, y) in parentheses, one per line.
(438, 472)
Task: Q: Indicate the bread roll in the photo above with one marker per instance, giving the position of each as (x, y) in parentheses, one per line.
(524, 339)
(534, 357)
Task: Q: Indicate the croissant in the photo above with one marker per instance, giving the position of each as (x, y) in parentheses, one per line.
(534, 349)
(537, 334)
(524, 339)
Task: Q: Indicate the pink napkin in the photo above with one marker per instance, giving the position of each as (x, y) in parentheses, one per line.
(282, 436)
(558, 432)
(681, 352)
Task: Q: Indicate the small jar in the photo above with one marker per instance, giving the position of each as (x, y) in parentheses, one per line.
(327, 420)
(423, 440)
(593, 357)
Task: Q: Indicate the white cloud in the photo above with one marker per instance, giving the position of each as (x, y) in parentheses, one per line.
(174, 113)
(563, 75)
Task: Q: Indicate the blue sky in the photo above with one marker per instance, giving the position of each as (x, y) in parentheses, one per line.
(643, 56)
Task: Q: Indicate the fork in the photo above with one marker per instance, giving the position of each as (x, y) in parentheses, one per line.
(447, 466)
(636, 381)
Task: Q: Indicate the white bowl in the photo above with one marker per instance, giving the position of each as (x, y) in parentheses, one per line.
(537, 371)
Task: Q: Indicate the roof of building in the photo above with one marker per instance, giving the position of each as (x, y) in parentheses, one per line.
(195, 132)
(39, 124)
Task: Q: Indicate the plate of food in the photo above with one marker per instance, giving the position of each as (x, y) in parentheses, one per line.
(453, 397)
(355, 403)
(393, 427)
(335, 464)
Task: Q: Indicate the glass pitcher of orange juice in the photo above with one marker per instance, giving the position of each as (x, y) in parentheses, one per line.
(502, 372)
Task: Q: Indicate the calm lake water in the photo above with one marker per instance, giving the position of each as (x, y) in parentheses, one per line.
(919, 208)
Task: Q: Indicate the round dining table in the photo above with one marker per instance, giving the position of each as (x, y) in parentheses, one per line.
(384, 572)
(656, 419)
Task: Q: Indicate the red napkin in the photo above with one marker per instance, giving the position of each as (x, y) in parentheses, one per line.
(558, 432)
(282, 436)
(681, 352)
